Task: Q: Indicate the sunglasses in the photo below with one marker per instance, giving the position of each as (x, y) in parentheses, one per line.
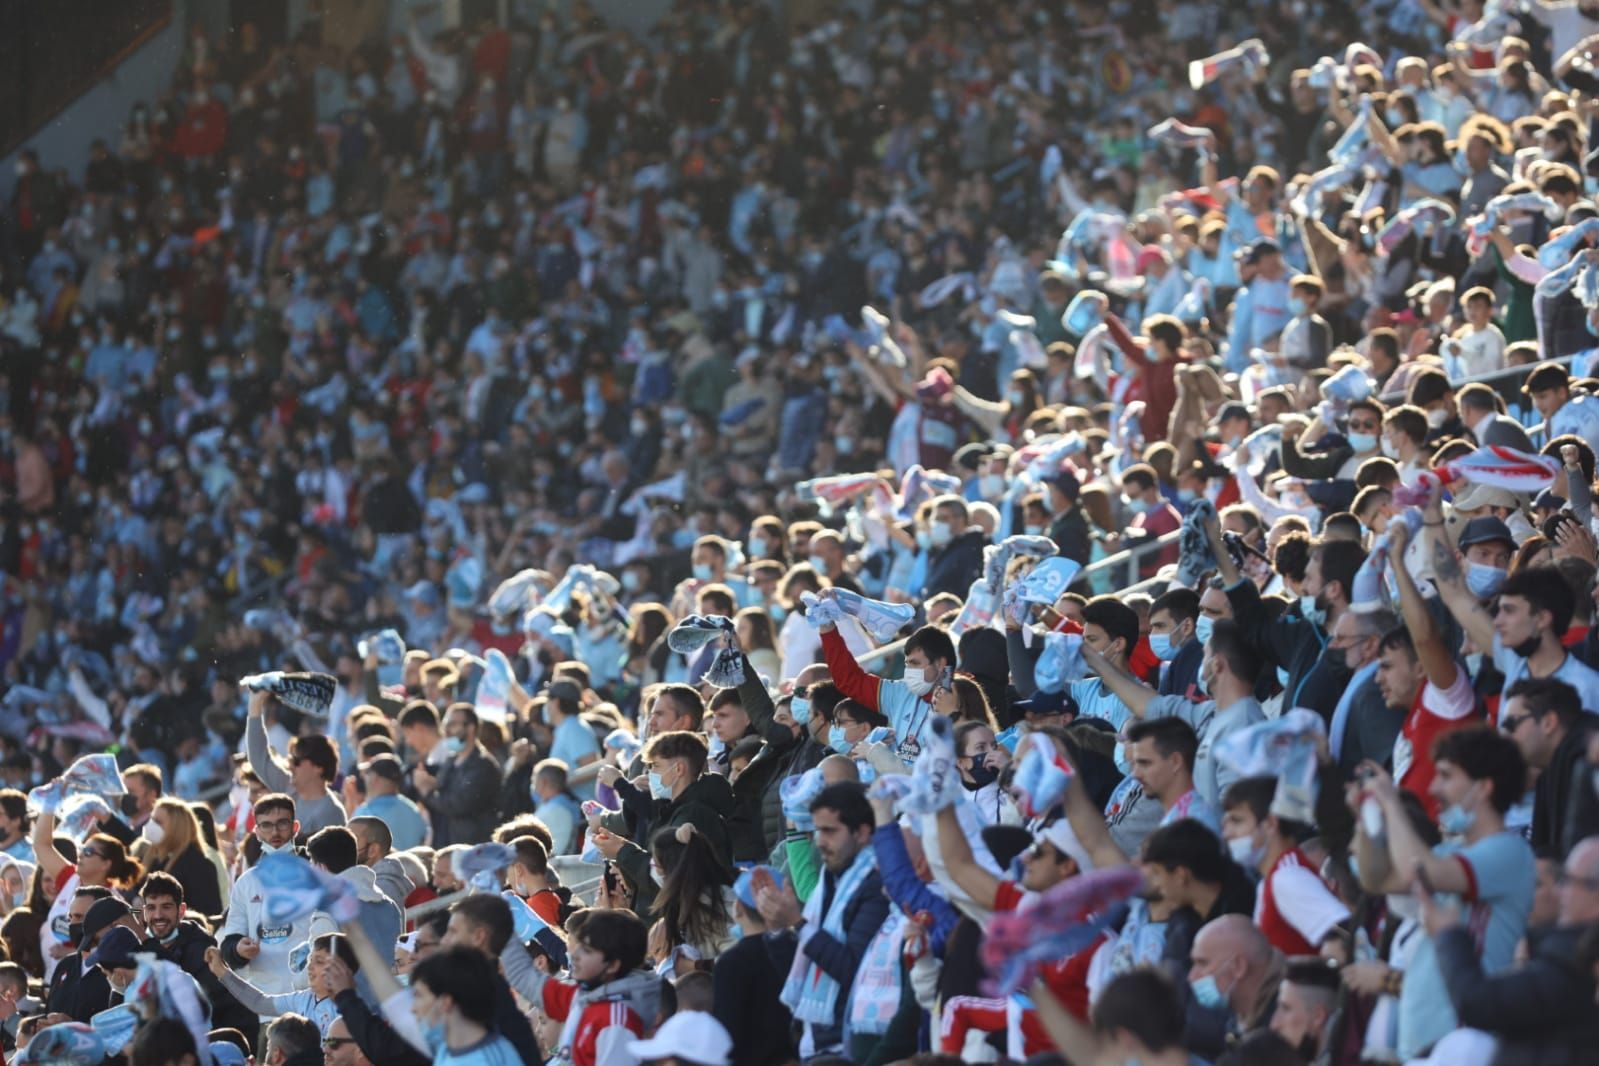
(333, 1043)
(90, 853)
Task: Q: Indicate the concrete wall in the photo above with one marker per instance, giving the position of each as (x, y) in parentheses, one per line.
(102, 110)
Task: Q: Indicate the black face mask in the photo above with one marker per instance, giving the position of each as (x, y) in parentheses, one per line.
(1528, 647)
(75, 933)
(129, 805)
(981, 773)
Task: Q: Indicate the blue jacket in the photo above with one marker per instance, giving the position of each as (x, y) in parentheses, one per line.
(907, 890)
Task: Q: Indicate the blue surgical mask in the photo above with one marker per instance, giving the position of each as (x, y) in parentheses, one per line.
(1208, 993)
(939, 533)
(658, 788)
(818, 564)
(1123, 763)
(1296, 306)
(1483, 580)
(1160, 644)
(1033, 531)
(1456, 821)
(836, 741)
(432, 1034)
(454, 745)
(777, 611)
(703, 572)
(1363, 442)
(799, 708)
(1187, 495)
(1203, 626)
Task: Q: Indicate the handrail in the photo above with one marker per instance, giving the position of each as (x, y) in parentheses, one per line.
(1491, 377)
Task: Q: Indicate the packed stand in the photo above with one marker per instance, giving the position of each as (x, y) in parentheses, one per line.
(945, 535)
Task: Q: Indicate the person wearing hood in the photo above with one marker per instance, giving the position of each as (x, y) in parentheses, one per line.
(333, 850)
(685, 794)
(174, 938)
(173, 846)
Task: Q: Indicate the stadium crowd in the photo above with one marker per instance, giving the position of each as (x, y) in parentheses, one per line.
(1044, 532)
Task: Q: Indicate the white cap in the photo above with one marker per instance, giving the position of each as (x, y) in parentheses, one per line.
(1063, 839)
(688, 1036)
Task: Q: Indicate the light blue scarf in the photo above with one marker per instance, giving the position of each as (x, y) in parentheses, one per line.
(810, 994)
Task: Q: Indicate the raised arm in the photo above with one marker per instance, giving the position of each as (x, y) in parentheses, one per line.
(963, 869)
(1435, 657)
(1088, 822)
(989, 416)
(1077, 1042)
(51, 862)
(263, 760)
(1383, 139)
(1134, 693)
(1451, 582)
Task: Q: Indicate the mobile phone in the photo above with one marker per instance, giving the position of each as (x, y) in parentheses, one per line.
(611, 885)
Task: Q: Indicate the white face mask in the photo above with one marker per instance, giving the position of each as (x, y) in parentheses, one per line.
(917, 682)
(153, 833)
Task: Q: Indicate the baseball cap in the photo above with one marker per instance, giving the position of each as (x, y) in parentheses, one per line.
(101, 914)
(384, 766)
(566, 691)
(423, 592)
(1486, 530)
(690, 1036)
(226, 1054)
(1232, 409)
(116, 948)
(1548, 500)
(1042, 702)
(1478, 495)
(1067, 483)
(1261, 249)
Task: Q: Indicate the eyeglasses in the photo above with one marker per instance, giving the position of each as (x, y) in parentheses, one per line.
(90, 853)
(276, 825)
(333, 1043)
(1511, 723)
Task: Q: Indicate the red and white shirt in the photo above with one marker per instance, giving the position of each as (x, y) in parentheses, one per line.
(603, 1030)
(1435, 712)
(1295, 908)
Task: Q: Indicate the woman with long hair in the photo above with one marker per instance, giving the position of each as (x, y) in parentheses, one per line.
(101, 860)
(756, 637)
(175, 846)
(645, 652)
(692, 907)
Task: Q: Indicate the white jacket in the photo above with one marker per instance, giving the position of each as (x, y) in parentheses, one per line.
(268, 971)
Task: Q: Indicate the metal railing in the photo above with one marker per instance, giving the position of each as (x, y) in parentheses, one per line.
(1495, 378)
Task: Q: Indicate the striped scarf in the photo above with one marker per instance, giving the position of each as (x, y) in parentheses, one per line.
(810, 994)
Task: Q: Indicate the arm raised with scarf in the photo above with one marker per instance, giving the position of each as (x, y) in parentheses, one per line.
(900, 880)
(1430, 648)
(1447, 575)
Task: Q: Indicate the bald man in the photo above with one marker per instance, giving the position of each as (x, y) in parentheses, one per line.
(836, 768)
(340, 1048)
(1545, 1006)
(1234, 967)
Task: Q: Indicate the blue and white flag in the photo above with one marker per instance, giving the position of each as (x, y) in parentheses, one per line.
(494, 687)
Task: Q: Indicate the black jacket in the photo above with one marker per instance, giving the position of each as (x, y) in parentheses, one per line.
(1071, 535)
(707, 805)
(198, 877)
(465, 805)
(187, 948)
(955, 566)
(1316, 679)
(373, 1035)
(747, 985)
(1542, 1013)
(1563, 810)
